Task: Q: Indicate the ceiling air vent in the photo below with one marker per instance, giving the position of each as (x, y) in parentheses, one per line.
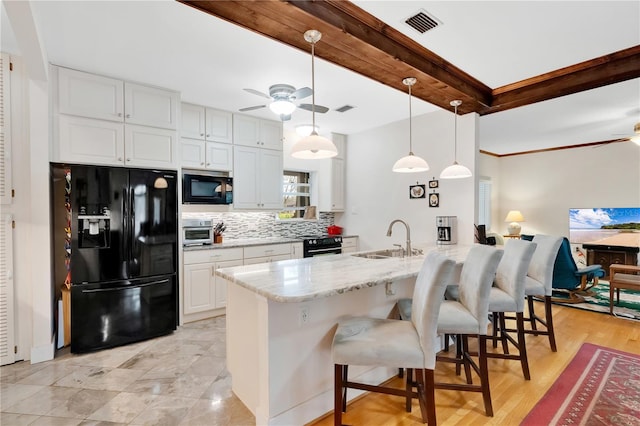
(344, 108)
(422, 21)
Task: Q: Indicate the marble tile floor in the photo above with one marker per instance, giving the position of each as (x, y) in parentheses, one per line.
(179, 379)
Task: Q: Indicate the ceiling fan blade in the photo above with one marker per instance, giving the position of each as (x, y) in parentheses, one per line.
(301, 93)
(252, 108)
(318, 108)
(256, 92)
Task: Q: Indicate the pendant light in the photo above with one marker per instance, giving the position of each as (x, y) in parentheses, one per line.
(455, 171)
(411, 163)
(313, 146)
(636, 130)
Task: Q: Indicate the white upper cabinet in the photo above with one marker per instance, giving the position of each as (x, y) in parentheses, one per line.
(85, 140)
(339, 141)
(332, 181)
(197, 154)
(101, 120)
(149, 147)
(219, 126)
(94, 96)
(90, 95)
(257, 178)
(199, 122)
(150, 106)
(252, 131)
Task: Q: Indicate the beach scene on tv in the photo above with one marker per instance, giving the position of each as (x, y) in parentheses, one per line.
(606, 226)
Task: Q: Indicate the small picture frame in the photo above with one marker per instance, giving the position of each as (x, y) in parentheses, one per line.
(433, 183)
(417, 191)
(434, 199)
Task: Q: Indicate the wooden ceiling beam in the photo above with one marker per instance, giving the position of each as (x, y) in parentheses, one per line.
(356, 40)
(609, 69)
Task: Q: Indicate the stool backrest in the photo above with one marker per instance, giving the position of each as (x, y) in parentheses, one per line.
(512, 269)
(434, 276)
(476, 279)
(541, 267)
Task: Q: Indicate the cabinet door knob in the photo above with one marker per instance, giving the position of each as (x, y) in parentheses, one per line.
(119, 158)
(201, 134)
(119, 114)
(202, 164)
(208, 135)
(128, 116)
(208, 164)
(128, 159)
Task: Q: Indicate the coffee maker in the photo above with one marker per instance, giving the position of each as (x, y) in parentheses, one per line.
(447, 230)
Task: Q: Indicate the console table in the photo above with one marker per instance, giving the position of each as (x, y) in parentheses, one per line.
(606, 255)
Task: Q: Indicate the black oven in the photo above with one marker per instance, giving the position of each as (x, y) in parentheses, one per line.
(206, 188)
(321, 246)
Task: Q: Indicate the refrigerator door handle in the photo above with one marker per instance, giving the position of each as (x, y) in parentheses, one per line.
(99, 290)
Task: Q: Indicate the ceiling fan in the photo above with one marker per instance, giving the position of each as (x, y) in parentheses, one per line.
(283, 97)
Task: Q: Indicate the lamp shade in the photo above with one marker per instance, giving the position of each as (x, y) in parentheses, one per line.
(455, 171)
(282, 107)
(410, 164)
(314, 146)
(514, 216)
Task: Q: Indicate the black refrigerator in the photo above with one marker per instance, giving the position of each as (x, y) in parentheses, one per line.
(115, 246)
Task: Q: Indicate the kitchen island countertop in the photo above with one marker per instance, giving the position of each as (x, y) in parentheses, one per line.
(299, 280)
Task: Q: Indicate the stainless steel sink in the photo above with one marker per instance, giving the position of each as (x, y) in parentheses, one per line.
(380, 254)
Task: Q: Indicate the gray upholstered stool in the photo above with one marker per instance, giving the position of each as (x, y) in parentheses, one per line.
(538, 283)
(507, 295)
(395, 343)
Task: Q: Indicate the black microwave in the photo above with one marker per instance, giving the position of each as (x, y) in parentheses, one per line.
(206, 188)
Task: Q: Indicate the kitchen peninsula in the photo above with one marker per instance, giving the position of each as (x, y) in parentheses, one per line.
(281, 318)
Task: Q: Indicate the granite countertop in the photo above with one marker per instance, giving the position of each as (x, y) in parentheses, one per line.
(299, 280)
(246, 242)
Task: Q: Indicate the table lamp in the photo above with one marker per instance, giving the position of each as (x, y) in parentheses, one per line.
(514, 216)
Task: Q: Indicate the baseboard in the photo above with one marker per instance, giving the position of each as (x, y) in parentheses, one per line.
(42, 353)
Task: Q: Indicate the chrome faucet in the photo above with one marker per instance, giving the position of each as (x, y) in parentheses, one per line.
(408, 249)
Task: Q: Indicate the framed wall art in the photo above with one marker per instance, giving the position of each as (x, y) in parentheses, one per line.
(417, 191)
(433, 183)
(434, 199)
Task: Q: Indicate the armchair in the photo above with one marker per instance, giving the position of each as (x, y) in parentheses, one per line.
(567, 276)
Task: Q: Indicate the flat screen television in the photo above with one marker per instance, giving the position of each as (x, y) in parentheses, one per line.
(610, 224)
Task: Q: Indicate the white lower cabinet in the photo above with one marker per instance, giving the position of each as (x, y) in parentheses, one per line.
(205, 294)
(349, 244)
(203, 290)
(266, 253)
(297, 250)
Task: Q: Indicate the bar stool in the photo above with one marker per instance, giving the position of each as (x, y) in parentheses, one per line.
(467, 316)
(396, 343)
(507, 295)
(538, 283)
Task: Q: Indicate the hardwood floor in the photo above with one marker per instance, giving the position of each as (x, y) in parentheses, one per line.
(513, 397)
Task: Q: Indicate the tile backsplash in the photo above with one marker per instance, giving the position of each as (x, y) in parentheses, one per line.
(264, 224)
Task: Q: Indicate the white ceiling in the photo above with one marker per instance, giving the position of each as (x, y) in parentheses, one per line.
(210, 61)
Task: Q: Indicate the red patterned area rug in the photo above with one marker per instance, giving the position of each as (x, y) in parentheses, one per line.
(600, 386)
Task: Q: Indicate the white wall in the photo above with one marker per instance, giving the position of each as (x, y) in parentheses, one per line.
(375, 195)
(545, 185)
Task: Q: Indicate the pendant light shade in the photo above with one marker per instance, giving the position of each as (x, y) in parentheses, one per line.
(410, 163)
(313, 146)
(636, 130)
(455, 171)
